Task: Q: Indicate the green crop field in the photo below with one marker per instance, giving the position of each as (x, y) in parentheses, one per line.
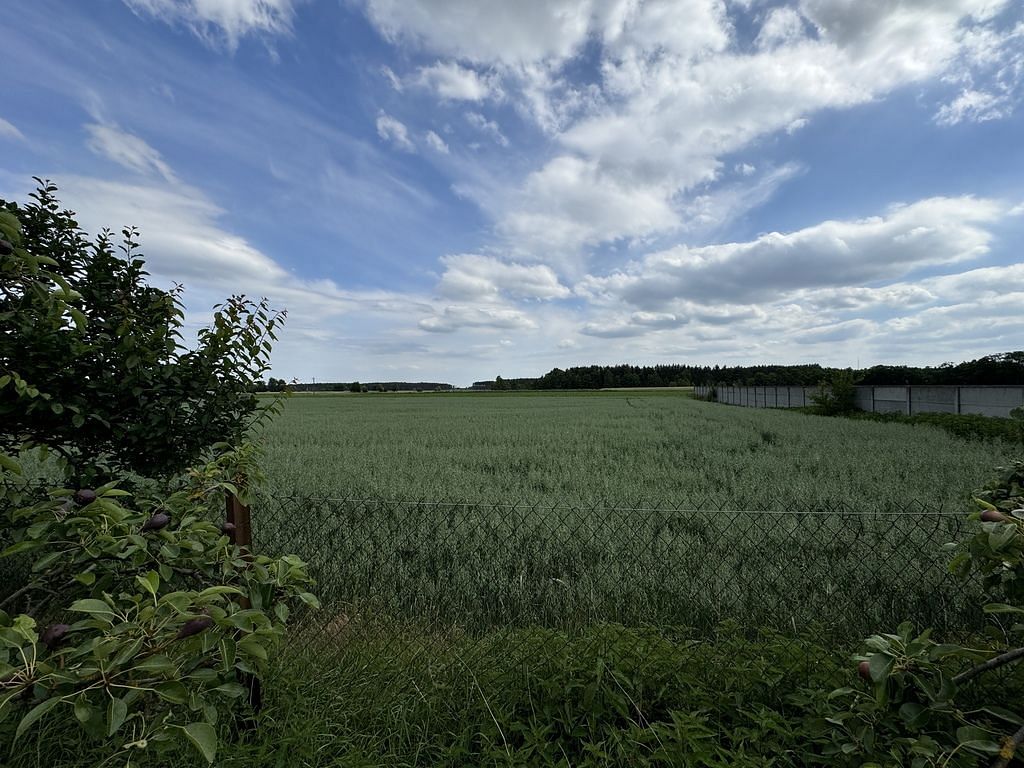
(630, 507)
(619, 447)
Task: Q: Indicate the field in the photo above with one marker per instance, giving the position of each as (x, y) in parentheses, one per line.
(562, 510)
(614, 448)
(609, 578)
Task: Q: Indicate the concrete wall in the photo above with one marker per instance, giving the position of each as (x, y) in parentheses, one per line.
(986, 401)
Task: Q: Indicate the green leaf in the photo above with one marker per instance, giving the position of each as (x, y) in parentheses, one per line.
(172, 691)
(79, 318)
(219, 590)
(150, 582)
(205, 739)
(252, 647)
(34, 714)
(21, 546)
(1004, 714)
(233, 690)
(309, 599)
(88, 578)
(9, 464)
(1002, 535)
(157, 664)
(83, 709)
(116, 713)
(1001, 608)
(93, 606)
(879, 665)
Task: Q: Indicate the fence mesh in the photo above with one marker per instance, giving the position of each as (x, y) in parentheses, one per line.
(413, 582)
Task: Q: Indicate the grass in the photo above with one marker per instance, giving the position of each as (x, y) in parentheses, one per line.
(599, 601)
(612, 448)
(631, 508)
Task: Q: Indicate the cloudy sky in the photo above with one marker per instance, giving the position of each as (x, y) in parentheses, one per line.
(454, 189)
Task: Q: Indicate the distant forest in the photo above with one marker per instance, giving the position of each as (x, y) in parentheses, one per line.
(278, 385)
(1004, 368)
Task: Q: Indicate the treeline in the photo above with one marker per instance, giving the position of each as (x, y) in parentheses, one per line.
(1004, 368)
(279, 385)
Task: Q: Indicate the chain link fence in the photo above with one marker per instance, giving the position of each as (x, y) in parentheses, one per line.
(405, 583)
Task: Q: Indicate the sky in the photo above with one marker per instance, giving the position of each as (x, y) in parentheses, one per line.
(450, 190)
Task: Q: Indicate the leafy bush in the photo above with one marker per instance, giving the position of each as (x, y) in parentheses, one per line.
(92, 362)
(142, 622)
(921, 709)
(836, 396)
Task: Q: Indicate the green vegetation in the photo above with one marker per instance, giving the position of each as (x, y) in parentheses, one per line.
(968, 426)
(92, 360)
(132, 624)
(617, 448)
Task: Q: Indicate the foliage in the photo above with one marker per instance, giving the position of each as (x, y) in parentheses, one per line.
(142, 621)
(92, 362)
(920, 711)
(836, 396)
(275, 385)
(969, 426)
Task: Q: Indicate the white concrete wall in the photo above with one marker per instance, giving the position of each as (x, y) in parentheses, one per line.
(986, 401)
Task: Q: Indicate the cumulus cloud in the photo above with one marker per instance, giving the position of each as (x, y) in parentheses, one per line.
(460, 316)
(127, 150)
(222, 21)
(831, 254)
(394, 132)
(677, 94)
(485, 31)
(451, 80)
(472, 276)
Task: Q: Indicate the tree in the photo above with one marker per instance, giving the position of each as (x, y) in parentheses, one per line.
(355, 387)
(92, 359)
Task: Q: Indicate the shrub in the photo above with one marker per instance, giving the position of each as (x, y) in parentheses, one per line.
(922, 706)
(141, 621)
(92, 363)
(836, 396)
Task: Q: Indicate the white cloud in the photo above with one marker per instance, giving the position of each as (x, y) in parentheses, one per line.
(9, 131)
(395, 132)
(489, 127)
(392, 78)
(831, 254)
(991, 78)
(459, 316)
(451, 80)
(225, 21)
(474, 277)
(677, 93)
(435, 142)
(128, 150)
(486, 31)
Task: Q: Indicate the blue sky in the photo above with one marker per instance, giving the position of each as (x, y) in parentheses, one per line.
(454, 189)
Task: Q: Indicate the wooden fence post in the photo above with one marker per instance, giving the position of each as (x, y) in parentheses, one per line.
(239, 516)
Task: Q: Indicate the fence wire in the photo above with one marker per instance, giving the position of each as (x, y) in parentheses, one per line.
(456, 586)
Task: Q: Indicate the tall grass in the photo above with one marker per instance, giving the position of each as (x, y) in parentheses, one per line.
(610, 447)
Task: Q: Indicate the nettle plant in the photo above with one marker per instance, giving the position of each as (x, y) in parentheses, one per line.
(140, 620)
(935, 704)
